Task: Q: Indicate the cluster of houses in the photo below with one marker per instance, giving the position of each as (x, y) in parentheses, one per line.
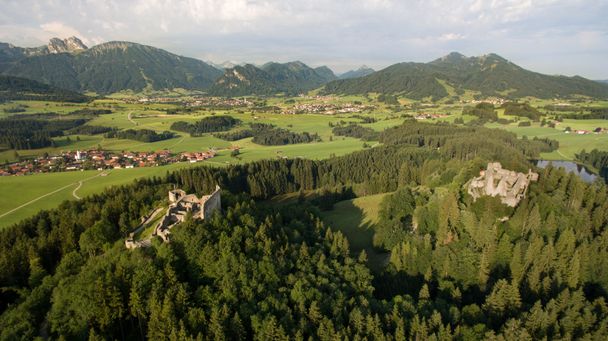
(318, 98)
(585, 132)
(492, 100)
(428, 116)
(326, 108)
(193, 101)
(219, 101)
(100, 160)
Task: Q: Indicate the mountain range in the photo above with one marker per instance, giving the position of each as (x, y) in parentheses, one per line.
(105, 68)
(271, 78)
(360, 72)
(114, 66)
(490, 75)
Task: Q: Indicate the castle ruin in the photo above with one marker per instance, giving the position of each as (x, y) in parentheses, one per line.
(509, 185)
(180, 205)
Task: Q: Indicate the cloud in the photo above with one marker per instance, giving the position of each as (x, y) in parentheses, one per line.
(59, 29)
(451, 36)
(338, 32)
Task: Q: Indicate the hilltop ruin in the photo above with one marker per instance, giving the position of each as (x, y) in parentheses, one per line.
(180, 205)
(509, 185)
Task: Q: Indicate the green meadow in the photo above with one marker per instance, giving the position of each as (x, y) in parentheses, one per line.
(20, 194)
(24, 196)
(356, 219)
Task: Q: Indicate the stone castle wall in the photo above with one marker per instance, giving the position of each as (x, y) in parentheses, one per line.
(211, 203)
(180, 205)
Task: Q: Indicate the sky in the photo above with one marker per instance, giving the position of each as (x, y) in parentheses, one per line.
(568, 37)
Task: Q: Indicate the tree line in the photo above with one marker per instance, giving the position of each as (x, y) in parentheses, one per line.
(142, 135)
(208, 124)
(26, 133)
(596, 159)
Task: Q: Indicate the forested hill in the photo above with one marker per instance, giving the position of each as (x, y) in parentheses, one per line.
(458, 268)
(110, 67)
(360, 72)
(16, 88)
(271, 78)
(490, 74)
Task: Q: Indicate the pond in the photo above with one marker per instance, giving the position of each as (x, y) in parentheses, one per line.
(569, 166)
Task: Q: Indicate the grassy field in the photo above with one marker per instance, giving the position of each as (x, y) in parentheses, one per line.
(569, 144)
(24, 196)
(17, 191)
(44, 191)
(355, 219)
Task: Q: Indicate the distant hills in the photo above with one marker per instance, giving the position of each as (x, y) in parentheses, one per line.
(360, 72)
(15, 88)
(270, 79)
(105, 68)
(114, 66)
(491, 75)
(605, 81)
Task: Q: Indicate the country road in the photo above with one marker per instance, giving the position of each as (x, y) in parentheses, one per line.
(51, 193)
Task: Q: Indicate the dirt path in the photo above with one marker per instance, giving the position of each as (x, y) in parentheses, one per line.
(47, 194)
(176, 143)
(147, 221)
(129, 117)
(75, 189)
(564, 156)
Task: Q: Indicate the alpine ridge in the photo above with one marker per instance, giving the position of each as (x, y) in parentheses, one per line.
(487, 75)
(106, 68)
(271, 78)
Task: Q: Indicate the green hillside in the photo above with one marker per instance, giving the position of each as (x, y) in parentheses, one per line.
(15, 88)
(490, 75)
(360, 72)
(111, 67)
(271, 78)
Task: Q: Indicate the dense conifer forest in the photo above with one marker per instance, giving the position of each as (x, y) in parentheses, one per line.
(457, 268)
(596, 159)
(268, 135)
(16, 88)
(356, 131)
(26, 133)
(206, 125)
(143, 135)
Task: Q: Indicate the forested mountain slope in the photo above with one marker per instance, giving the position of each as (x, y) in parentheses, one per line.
(16, 88)
(110, 67)
(272, 78)
(490, 74)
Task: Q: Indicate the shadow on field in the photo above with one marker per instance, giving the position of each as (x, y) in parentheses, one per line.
(350, 220)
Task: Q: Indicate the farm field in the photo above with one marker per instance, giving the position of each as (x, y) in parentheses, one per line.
(24, 196)
(125, 115)
(569, 144)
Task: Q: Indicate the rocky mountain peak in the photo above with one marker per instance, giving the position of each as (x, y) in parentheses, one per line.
(71, 44)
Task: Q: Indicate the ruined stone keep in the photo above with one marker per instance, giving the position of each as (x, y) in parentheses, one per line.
(509, 185)
(180, 205)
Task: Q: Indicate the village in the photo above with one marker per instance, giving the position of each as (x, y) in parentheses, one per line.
(327, 108)
(198, 101)
(100, 160)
